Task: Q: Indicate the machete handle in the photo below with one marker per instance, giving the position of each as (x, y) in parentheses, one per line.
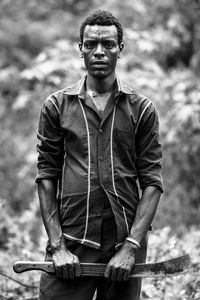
(87, 269)
(23, 266)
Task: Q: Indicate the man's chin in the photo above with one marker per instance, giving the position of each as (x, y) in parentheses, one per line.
(99, 74)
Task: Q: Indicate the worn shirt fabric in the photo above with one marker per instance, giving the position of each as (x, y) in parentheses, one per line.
(92, 156)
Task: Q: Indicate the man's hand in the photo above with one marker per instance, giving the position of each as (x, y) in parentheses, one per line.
(120, 266)
(66, 264)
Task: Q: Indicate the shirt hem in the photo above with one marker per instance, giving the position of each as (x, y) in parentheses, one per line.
(82, 241)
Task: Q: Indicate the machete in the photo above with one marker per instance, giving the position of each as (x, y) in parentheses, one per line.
(157, 269)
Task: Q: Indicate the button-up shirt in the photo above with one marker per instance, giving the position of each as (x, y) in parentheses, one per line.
(88, 152)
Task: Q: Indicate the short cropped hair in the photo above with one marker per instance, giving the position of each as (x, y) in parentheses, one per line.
(104, 18)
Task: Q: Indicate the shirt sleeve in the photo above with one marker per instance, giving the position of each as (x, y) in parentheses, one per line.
(148, 148)
(50, 142)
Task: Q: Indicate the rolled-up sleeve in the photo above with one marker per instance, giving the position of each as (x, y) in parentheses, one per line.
(50, 142)
(148, 148)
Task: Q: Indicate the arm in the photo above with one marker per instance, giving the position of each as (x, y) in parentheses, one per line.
(66, 264)
(148, 165)
(120, 266)
(145, 212)
(50, 149)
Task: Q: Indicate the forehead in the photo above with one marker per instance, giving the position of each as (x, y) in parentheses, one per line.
(99, 31)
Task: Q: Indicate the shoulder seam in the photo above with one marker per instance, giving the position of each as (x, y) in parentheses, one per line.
(142, 114)
(54, 104)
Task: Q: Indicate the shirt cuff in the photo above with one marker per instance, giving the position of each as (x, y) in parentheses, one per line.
(50, 174)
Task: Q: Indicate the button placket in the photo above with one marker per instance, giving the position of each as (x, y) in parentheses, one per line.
(101, 157)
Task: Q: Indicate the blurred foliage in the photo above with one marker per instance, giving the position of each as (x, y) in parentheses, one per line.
(163, 245)
(39, 54)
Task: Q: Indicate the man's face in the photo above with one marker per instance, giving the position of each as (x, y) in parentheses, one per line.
(100, 50)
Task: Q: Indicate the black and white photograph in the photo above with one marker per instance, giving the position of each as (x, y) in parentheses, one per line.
(99, 150)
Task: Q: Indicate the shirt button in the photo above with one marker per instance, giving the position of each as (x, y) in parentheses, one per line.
(100, 130)
(101, 158)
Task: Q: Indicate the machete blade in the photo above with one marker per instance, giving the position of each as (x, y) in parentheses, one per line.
(164, 268)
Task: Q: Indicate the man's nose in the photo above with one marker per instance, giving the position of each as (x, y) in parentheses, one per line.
(99, 51)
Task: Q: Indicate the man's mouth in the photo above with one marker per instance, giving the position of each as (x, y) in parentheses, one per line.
(99, 62)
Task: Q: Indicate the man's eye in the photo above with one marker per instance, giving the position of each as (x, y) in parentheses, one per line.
(89, 45)
(109, 45)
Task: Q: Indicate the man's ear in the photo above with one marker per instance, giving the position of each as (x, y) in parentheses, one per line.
(121, 47)
(80, 49)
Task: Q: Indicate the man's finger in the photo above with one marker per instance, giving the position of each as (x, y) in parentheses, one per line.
(70, 269)
(107, 272)
(126, 275)
(120, 275)
(59, 271)
(77, 269)
(113, 274)
(65, 272)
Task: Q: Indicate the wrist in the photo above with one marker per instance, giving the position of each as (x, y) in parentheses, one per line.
(57, 245)
(130, 247)
(134, 244)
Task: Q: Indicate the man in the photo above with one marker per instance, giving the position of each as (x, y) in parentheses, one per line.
(96, 139)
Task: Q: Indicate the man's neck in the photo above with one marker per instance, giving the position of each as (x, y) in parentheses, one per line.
(100, 86)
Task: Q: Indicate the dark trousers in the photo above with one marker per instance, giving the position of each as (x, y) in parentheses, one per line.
(52, 288)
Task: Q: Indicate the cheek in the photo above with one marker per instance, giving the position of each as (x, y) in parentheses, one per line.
(113, 53)
(113, 57)
(87, 55)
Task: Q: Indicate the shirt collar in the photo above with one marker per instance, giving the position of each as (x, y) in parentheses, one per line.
(122, 87)
(79, 87)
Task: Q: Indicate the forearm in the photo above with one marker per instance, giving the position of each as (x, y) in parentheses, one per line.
(50, 212)
(145, 212)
